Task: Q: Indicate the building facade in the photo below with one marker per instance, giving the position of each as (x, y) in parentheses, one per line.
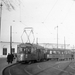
(5, 48)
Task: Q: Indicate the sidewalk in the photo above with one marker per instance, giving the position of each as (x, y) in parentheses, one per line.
(3, 64)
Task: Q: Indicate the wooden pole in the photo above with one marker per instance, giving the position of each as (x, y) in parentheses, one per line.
(0, 18)
(57, 37)
(11, 39)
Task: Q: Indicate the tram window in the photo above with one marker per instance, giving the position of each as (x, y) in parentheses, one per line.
(50, 52)
(62, 52)
(69, 52)
(53, 52)
(28, 50)
(20, 49)
(39, 50)
(58, 52)
(33, 50)
(65, 52)
(23, 49)
(4, 51)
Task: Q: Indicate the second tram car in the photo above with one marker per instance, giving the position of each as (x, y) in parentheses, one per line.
(59, 54)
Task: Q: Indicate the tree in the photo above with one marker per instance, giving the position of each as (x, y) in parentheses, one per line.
(9, 4)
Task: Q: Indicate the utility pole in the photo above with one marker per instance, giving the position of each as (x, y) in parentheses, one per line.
(36, 40)
(57, 37)
(0, 21)
(73, 46)
(11, 39)
(64, 44)
(0, 18)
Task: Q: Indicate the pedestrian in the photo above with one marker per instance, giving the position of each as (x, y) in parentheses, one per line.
(10, 58)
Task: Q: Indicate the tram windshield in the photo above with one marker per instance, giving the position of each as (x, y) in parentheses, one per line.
(26, 50)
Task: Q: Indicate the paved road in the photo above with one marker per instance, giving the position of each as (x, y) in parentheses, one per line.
(28, 69)
(43, 68)
(3, 64)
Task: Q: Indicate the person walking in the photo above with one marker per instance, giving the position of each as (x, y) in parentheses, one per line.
(10, 58)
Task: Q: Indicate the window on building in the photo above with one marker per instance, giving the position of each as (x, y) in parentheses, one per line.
(13, 50)
(4, 51)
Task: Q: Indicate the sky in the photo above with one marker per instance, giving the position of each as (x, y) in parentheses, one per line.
(43, 16)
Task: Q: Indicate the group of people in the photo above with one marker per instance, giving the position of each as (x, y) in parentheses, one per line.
(10, 58)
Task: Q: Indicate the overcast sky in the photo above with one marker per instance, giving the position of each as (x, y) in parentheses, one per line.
(43, 16)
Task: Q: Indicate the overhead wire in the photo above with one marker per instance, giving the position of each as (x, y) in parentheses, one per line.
(67, 13)
(24, 6)
(19, 10)
(50, 10)
(61, 11)
(20, 3)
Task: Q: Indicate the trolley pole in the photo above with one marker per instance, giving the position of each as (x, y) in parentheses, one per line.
(10, 39)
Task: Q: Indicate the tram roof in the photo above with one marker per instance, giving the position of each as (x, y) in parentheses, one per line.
(59, 49)
(30, 45)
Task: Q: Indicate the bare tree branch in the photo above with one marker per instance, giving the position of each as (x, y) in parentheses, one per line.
(9, 4)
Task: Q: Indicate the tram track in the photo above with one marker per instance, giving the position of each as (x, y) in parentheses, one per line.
(27, 69)
(15, 69)
(8, 68)
(64, 70)
(69, 70)
(38, 69)
(60, 71)
(43, 70)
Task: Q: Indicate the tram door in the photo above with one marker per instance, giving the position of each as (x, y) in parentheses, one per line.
(39, 53)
